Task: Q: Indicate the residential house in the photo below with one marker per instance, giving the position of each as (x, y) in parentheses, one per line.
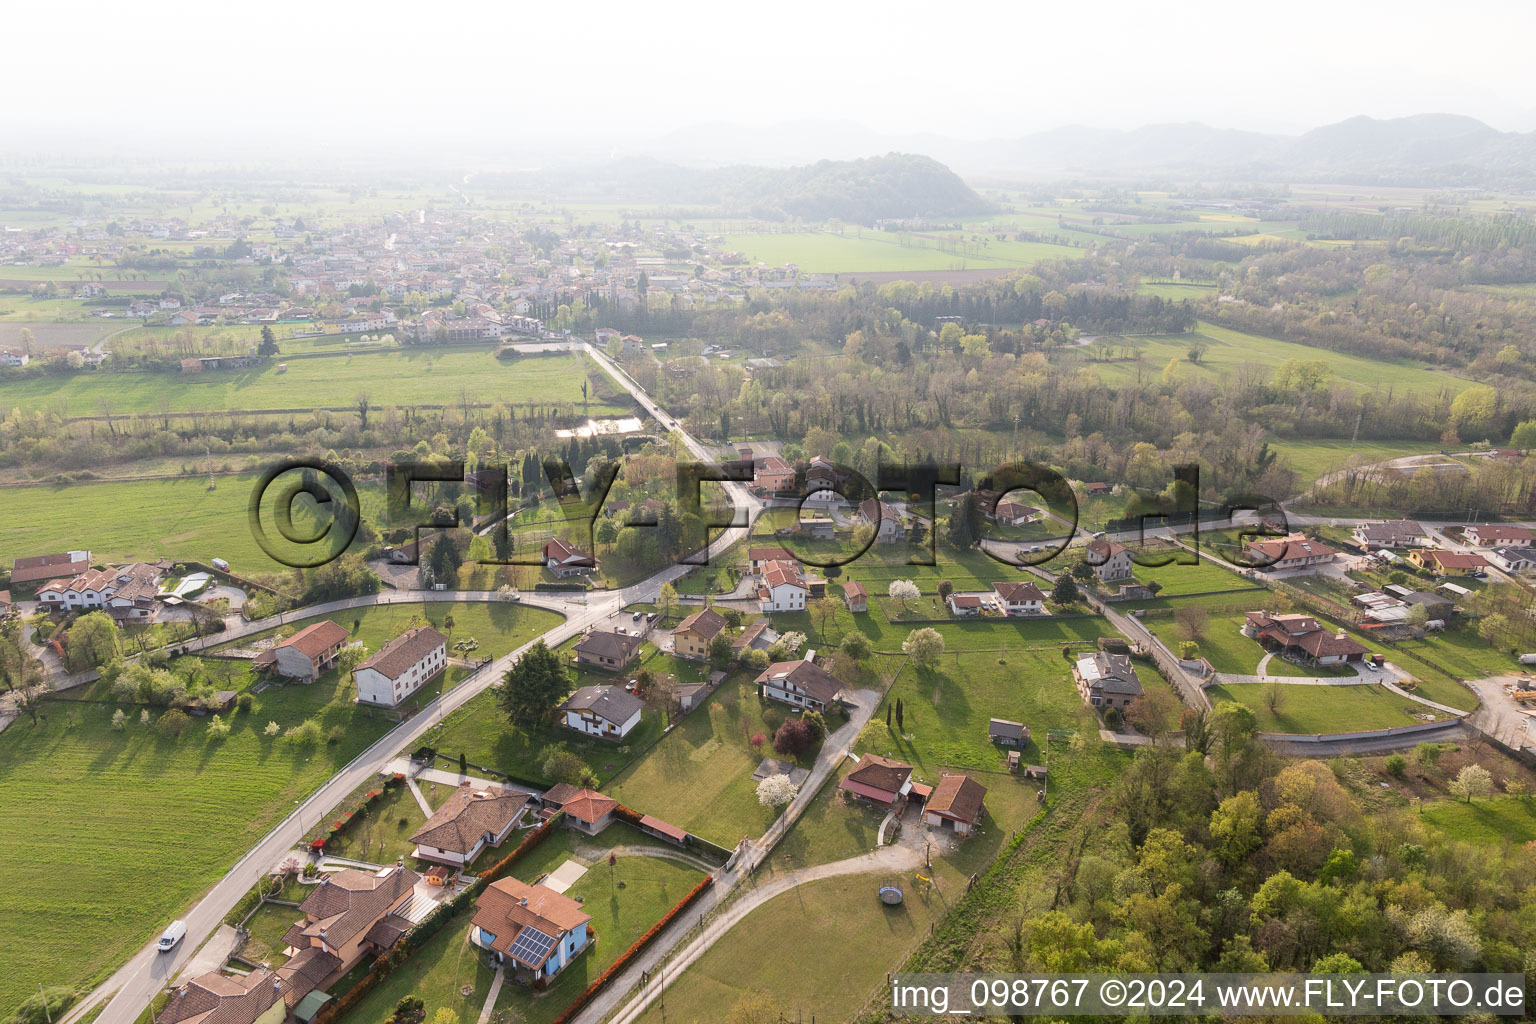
(1106, 680)
(49, 567)
(1497, 535)
(217, 998)
(822, 475)
(532, 929)
(1448, 563)
(1302, 637)
(353, 913)
(968, 605)
(401, 667)
(585, 810)
(759, 635)
(692, 636)
(781, 587)
(1396, 533)
(633, 347)
(855, 596)
(1512, 559)
(128, 594)
(1110, 561)
(468, 822)
(758, 557)
(1007, 734)
(889, 528)
(608, 712)
(1012, 513)
(801, 684)
(773, 474)
(879, 780)
(610, 652)
(14, 357)
(1296, 551)
(565, 560)
(956, 804)
(308, 652)
(7, 605)
(1020, 598)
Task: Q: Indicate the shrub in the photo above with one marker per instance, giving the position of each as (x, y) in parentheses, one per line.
(1112, 719)
(794, 737)
(173, 723)
(218, 729)
(118, 720)
(1396, 765)
(305, 734)
(336, 735)
(272, 729)
(244, 703)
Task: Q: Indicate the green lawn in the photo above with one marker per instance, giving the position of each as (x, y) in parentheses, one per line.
(1323, 709)
(699, 777)
(841, 914)
(1497, 820)
(406, 377)
(382, 832)
(1312, 458)
(1227, 350)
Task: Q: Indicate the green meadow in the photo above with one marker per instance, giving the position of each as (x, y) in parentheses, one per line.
(816, 252)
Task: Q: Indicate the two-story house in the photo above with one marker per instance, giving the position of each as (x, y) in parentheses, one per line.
(607, 651)
(306, 654)
(692, 636)
(352, 914)
(889, 528)
(1110, 561)
(781, 588)
(607, 712)
(1106, 680)
(401, 667)
(801, 684)
(468, 822)
(565, 560)
(531, 928)
(1020, 598)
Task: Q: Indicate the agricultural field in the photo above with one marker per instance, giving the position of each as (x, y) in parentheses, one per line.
(819, 252)
(1228, 350)
(1323, 709)
(47, 336)
(404, 377)
(1312, 458)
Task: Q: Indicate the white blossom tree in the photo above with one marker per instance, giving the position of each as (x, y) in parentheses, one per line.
(1473, 780)
(776, 790)
(903, 591)
(923, 646)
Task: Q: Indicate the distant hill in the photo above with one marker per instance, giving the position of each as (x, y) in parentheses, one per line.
(860, 191)
(1424, 149)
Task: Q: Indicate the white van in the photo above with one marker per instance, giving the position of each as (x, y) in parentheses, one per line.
(174, 933)
(220, 564)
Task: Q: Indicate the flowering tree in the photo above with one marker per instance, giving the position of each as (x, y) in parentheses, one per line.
(923, 646)
(776, 790)
(903, 591)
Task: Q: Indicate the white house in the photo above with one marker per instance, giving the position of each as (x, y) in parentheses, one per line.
(780, 587)
(1497, 535)
(531, 928)
(1513, 559)
(1110, 561)
(401, 667)
(468, 822)
(127, 593)
(889, 528)
(564, 559)
(1020, 598)
(803, 684)
(608, 712)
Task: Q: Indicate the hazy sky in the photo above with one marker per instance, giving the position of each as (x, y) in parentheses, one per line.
(533, 73)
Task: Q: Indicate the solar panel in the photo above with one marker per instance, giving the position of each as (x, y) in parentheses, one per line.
(532, 946)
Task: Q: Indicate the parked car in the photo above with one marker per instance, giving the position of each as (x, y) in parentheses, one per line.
(637, 616)
(173, 934)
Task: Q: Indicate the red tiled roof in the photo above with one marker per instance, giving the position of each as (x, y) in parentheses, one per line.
(958, 797)
(313, 641)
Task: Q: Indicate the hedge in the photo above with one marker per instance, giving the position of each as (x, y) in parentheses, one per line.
(418, 936)
(633, 951)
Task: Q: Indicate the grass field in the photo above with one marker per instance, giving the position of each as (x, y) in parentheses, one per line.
(817, 916)
(1495, 821)
(1312, 458)
(143, 823)
(142, 519)
(405, 377)
(817, 252)
(699, 777)
(1323, 709)
(1227, 350)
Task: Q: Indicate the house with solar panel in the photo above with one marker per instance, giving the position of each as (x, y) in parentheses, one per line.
(531, 929)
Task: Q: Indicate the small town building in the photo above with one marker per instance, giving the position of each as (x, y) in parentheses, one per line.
(1110, 561)
(306, 654)
(607, 651)
(956, 804)
(879, 780)
(801, 684)
(1106, 680)
(401, 667)
(607, 712)
(468, 822)
(531, 929)
(692, 636)
(1007, 734)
